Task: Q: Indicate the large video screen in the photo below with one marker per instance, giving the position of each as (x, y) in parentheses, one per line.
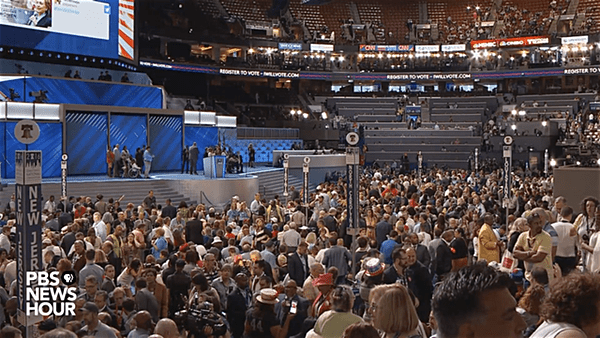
(86, 27)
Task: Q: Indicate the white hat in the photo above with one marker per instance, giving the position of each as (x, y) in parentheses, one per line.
(217, 240)
(267, 296)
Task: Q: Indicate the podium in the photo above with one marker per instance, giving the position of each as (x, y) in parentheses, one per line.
(214, 166)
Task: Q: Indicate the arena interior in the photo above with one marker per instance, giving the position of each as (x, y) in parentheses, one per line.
(300, 168)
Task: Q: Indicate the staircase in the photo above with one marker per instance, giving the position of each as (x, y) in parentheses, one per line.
(572, 9)
(270, 183)
(134, 191)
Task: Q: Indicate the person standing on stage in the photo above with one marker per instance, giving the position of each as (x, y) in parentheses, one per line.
(185, 156)
(194, 159)
(148, 157)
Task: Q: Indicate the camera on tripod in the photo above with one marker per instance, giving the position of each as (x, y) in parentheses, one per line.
(40, 96)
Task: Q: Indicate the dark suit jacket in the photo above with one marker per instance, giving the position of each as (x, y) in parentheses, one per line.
(423, 254)
(113, 317)
(169, 211)
(281, 310)
(295, 268)
(193, 231)
(236, 312)
(44, 22)
(330, 223)
(443, 259)
(67, 242)
(145, 300)
(422, 287)
(390, 275)
(382, 229)
(115, 261)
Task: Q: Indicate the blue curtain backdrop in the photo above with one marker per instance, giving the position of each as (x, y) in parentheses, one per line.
(166, 142)
(49, 143)
(128, 130)
(263, 147)
(86, 143)
(84, 92)
(204, 137)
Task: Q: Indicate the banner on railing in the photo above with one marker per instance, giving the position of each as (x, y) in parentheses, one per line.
(511, 42)
(387, 48)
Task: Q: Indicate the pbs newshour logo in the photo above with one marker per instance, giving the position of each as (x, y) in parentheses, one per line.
(46, 296)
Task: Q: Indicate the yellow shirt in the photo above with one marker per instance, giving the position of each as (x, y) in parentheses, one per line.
(540, 243)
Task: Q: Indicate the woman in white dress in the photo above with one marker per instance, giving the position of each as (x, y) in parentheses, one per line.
(592, 249)
(586, 227)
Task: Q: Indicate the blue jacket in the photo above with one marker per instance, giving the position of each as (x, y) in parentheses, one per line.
(147, 156)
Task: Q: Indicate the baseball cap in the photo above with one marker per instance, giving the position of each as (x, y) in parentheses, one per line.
(89, 306)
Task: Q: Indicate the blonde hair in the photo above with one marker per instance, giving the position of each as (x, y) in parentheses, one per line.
(378, 291)
(396, 312)
(311, 238)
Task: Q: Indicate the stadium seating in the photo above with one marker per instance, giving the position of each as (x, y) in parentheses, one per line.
(208, 6)
(311, 15)
(335, 14)
(591, 9)
(395, 20)
(254, 10)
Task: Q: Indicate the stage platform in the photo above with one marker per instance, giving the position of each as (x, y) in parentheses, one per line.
(179, 187)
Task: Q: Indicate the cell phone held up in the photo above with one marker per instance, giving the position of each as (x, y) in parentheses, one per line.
(294, 307)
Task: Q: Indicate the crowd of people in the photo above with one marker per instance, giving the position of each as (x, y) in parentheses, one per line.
(433, 256)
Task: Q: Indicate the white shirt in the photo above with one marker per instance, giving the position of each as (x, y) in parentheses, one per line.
(566, 242)
(100, 228)
(50, 206)
(424, 238)
(291, 238)
(168, 234)
(254, 206)
(5, 242)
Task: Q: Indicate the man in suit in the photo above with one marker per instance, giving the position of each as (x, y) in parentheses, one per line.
(421, 250)
(338, 256)
(193, 230)
(294, 194)
(238, 301)
(112, 258)
(330, 221)
(397, 273)
(178, 284)
(145, 300)
(194, 159)
(298, 263)
(420, 284)
(169, 210)
(282, 308)
(443, 255)
(101, 301)
(382, 229)
(489, 245)
(117, 165)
